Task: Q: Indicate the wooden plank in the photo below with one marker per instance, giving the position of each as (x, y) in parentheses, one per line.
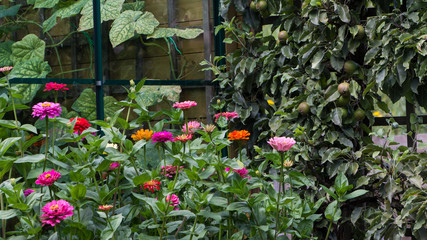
(188, 10)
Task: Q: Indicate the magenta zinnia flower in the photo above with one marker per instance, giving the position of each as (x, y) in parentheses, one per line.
(242, 172)
(48, 178)
(56, 211)
(174, 200)
(113, 166)
(227, 115)
(170, 170)
(281, 144)
(184, 105)
(28, 192)
(164, 136)
(55, 86)
(191, 125)
(48, 109)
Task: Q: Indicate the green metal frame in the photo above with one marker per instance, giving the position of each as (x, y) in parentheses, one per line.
(99, 82)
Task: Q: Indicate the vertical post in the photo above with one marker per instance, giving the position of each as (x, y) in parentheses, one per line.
(172, 23)
(99, 81)
(207, 40)
(219, 38)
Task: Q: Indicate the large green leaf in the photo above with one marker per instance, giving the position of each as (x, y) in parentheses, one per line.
(45, 3)
(33, 68)
(86, 105)
(150, 95)
(64, 12)
(110, 9)
(9, 12)
(6, 53)
(188, 33)
(135, 6)
(129, 22)
(7, 214)
(30, 47)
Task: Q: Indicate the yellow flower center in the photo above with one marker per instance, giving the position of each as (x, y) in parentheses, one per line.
(270, 102)
(47, 175)
(53, 207)
(46, 104)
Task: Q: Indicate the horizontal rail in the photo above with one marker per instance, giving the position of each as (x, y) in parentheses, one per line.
(401, 120)
(148, 82)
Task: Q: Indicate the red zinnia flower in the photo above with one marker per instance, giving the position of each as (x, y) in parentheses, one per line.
(81, 125)
(152, 185)
(55, 86)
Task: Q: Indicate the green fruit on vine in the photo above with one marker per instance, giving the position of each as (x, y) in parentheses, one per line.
(344, 88)
(344, 113)
(359, 114)
(342, 101)
(350, 67)
(360, 32)
(261, 5)
(253, 6)
(282, 36)
(303, 108)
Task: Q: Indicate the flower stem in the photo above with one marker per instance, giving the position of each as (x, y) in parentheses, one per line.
(278, 196)
(46, 143)
(194, 228)
(332, 220)
(145, 157)
(3, 221)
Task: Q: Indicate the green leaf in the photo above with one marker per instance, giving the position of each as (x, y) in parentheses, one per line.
(135, 6)
(354, 194)
(86, 105)
(337, 116)
(108, 232)
(64, 12)
(6, 53)
(370, 54)
(238, 206)
(30, 47)
(189, 33)
(6, 144)
(78, 192)
(141, 179)
(10, 12)
(110, 9)
(33, 68)
(129, 22)
(300, 179)
(29, 128)
(8, 214)
(332, 194)
(215, 216)
(184, 213)
(330, 210)
(355, 215)
(45, 3)
(31, 158)
(317, 59)
(341, 183)
(343, 12)
(28, 92)
(151, 95)
(237, 236)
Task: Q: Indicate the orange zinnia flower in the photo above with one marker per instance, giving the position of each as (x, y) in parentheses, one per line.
(239, 135)
(142, 134)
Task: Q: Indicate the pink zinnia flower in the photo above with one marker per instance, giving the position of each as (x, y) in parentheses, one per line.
(48, 178)
(242, 172)
(162, 137)
(56, 211)
(28, 192)
(170, 170)
(183, 137)
(191, 125)
(5, 69)
(184, 105)
(113, 166)
(174, 200)
(227, 115)
(55, 86)
(48, 109)
(281, 144)
(105, 207)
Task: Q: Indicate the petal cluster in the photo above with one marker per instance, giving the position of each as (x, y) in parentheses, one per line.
(185, 104)
(239, 135)
(55, 86)
(28, 192)
(164, 136)
(105, 207)
(48, 178)
(142, 134)
(46, 109)
(191, 126)
(242, 172)
(56, 211)
(113, 166)
(183, 137)
(5, 69)
(170, 170)
(81, 125)
(281, 144)
(227, 115)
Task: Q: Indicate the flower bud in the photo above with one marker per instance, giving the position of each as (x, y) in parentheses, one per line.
(69, 125)
(218, 101)
(108, 119)
(132, 83)
(13, 181)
